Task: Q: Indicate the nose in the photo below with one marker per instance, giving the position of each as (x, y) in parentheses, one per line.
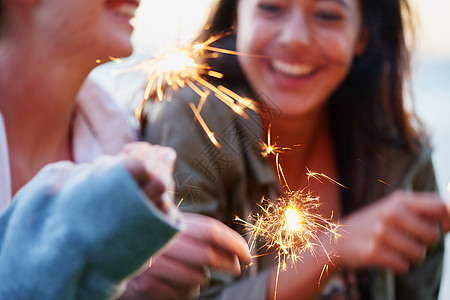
(295, 31)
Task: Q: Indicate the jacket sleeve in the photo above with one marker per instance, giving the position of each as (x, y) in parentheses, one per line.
(76, 232)
(209, 180)
(423, 280)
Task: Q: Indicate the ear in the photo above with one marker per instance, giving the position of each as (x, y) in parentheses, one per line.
(363, 40)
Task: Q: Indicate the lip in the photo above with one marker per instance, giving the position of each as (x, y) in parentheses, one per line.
(289, 74)
(123, 8)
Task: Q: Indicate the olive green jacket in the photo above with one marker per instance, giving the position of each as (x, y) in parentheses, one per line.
(228, 181)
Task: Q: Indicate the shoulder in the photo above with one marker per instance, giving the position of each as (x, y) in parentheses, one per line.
(188, 113)
(409, 169)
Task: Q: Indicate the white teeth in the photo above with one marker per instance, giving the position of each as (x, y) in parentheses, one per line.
(291, 69)
(128, 10)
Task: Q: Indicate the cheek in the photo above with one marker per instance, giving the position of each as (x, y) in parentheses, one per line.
(252, 36)
(337, 48)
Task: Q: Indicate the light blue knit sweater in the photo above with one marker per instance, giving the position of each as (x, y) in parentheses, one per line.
(76, 232)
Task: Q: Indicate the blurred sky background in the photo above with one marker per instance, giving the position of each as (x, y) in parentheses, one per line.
(161, 24)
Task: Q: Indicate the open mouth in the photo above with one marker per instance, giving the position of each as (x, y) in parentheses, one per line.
(292, 69)
(126, 8)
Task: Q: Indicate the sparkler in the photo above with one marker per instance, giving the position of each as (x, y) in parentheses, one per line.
(292, 225)
(186, 66)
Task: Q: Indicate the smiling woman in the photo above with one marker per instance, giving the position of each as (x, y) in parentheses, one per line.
(329, 75)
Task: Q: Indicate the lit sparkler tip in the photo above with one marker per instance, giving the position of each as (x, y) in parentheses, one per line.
(290, 226)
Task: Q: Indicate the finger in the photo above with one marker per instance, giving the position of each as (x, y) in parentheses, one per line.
(198, 253)
(420, 228)
(393, 261)
(148, 287)
(136, 168)
(213, 231)
(427, 204)
(381, 256)
(177, 273)
(161, 161)
(402, 243)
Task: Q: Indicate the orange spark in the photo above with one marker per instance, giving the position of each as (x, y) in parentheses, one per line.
(187, 66)
(317, 175)
(272, 149)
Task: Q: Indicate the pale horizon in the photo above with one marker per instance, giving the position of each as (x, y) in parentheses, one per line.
(162, 24)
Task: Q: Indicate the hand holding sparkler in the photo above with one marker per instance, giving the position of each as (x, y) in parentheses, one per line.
(152, 167)
(182, 269)
(393, 233)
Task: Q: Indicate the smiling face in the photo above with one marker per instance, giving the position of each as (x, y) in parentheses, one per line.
(88, 28)
(308, 48)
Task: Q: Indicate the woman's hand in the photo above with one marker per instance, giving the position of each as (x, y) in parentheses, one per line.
(392, 233)
(152, 168)
(182, 269)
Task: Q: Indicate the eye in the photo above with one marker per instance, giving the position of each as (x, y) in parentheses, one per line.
(328, 16)
(269, 8)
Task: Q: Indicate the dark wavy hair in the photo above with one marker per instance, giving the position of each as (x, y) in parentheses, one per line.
(367, 111)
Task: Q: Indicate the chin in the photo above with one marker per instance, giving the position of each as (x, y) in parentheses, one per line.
(125, 49)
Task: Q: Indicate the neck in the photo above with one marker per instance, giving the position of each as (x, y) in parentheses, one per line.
(309, 139)
(37, 101)
(302, 130)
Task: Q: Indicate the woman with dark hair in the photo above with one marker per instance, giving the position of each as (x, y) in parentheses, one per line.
(329, 77)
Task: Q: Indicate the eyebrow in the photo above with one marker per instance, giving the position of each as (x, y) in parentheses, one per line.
(341, 2)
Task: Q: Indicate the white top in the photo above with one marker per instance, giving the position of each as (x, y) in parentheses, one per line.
(99, 127)
(5, 177)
